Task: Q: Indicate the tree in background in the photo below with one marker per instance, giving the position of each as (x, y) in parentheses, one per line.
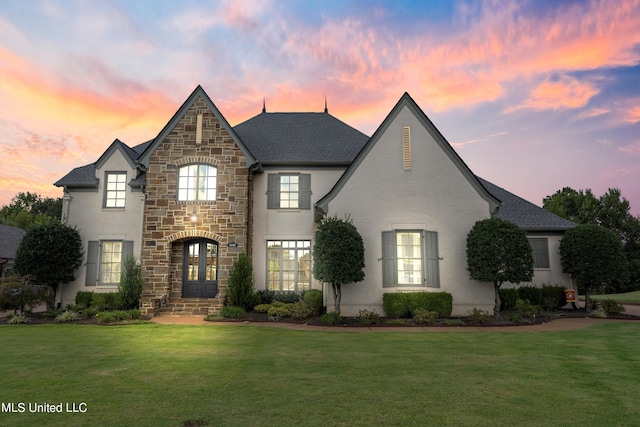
(338, 255)
(594, 257)
(240, 290)
(611, 211)
(51, 252)
(498, 251)
(27, 209)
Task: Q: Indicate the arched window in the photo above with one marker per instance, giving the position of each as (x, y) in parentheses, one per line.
(197, 183)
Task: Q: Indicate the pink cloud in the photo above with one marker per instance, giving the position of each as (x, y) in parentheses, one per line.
(633, 148)
(567, 92)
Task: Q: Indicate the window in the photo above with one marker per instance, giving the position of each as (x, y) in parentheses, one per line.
(289, 265)
(289, 191)
(540, 252)
(410, 258)
(197, 183)
(115, 190)
(104, 261)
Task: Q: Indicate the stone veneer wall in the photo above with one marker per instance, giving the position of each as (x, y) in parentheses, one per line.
(167, 221)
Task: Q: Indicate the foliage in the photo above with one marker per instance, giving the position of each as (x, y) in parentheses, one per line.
(402, 304)
(453, 322)
(262, 308)
(68, 316)
(498, 251)
(29, 209)
(526, 309)
(84, 298)
(16, 319)
(594, 257)
(313, 299)
(553, 297)
(424, 317)
(338, 255)
(611, 211)
(288, 297)
(240, 289)
(278, 310)
(51, 252)
(366, 317)
(332, 318)
(530, 293)
(233, 312)
(508, 298)
(395, 304)
(117, 315)
(102, 301)
(130, 286)
(20, 292)
(266, 296)
(609, 306)
(480, 317)
(300, 310)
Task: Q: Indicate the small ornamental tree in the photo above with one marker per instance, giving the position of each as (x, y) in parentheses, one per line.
(338, 255)
(130, 286)
(49, 252)
(240, 290)
(498, 251)
(593, 255)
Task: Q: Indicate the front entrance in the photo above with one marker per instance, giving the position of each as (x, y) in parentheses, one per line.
(200, 269)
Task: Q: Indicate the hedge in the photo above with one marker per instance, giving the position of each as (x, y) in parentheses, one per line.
(405, 304)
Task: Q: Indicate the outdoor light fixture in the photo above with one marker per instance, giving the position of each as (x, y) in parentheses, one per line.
(194, 216)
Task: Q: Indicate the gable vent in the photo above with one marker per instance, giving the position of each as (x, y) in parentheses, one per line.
(406, 147)
(199, 129)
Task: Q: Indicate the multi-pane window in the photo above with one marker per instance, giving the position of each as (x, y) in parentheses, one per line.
(197, 183)
(289, 191)
(110, 263)
(115, 190)
(289, 265)
(194, 262)
(540, 252)
(409, 258)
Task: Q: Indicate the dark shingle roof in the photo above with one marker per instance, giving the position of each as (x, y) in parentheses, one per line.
(300, 138)
(84, 176)
(9, 238)
(525, 214)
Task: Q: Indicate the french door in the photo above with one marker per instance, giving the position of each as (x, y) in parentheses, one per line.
(200, 269)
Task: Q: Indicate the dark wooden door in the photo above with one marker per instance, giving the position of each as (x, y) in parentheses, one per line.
(200, 269)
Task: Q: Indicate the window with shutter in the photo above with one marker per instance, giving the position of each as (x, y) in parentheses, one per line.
(410, 258)
(104, 261)
(289, 191)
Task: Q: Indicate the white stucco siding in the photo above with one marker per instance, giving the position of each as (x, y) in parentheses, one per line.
(94, 222)
(285, 224)
(433, 195)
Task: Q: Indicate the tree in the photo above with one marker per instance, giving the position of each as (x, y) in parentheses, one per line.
(50, 252)
(240, 290)
(593, 256)
(338, 255)
(498, 251)
(581, 207)
(130, 286)
(27, 209)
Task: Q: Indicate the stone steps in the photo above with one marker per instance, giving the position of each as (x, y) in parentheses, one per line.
(190, 307)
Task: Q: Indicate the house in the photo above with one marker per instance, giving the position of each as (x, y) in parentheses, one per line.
(9, 239)
(187, 202)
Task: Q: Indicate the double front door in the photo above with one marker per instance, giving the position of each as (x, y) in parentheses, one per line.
(200, 269)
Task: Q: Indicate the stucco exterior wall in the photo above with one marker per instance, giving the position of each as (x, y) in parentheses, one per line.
(433, 195)
(85, 210)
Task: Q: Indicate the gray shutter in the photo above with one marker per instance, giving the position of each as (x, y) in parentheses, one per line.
(93, 253)
(389, 273)
(305, 191)
(127, 249)
(432, 261)
(273, 191)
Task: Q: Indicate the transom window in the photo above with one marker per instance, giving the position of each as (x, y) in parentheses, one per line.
(115, 190)
(197, 183)
(289, 265)
(111, 262)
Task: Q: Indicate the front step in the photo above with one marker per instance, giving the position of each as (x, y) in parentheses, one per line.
(189, 307)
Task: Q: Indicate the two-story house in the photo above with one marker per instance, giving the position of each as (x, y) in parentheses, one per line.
(187, 202)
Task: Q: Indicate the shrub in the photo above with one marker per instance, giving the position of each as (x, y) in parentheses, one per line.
(395, 304)
(106, 301)
(526, 309)
(130, 286)
(17, 319)
(68, 316)
(553, 297)
(424, 317)
(233, 312)
(508, 298)
(300, 310)
(331, 319)
(313, 299)
(440, 302)
(262, 308)
(83, 298)
(117, 315)
(279, 310)
(90, 311)
(366, 317)
(288, 297)
(266, 296)
(530, 293)
(515, 318)
(610, 307)
(480, 317)
(240, 283)
(20, 292)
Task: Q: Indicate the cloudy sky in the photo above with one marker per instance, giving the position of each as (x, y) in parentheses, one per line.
(533, 95)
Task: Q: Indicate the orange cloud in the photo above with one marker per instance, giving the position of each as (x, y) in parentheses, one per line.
(567, 92)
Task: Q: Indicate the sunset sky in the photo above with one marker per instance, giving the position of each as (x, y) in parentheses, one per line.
(533, 95)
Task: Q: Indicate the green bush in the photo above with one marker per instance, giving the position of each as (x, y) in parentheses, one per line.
(17, 319)
(233, 312)
(83, 298)
(396, 304)
(424, 317)
(526, 309)
(480, 317)
(262, 308)
(313, 299)
(280, 310)
(366, 317)
(610, 307)
(404, 304)
(331, 319)
(90, 311)
(288, 297)
(266, 296)
(117, 315)
(530, 293)
(553, 297)
(300, 310)
(240, 289)
(103, 301)
(19, 293)
(508, 298)
(130, 286)
(68, 316)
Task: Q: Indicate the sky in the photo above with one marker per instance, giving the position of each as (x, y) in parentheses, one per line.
(533, 95)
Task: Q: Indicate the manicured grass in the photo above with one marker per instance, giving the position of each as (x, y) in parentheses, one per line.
(164, 375)
(629, 297)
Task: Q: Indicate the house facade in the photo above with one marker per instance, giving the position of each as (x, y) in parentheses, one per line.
(187, 202)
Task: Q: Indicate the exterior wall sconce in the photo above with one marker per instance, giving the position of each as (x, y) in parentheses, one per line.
(194, 216)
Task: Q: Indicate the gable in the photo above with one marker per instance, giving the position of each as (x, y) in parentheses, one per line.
(406, 112)
(198, 93)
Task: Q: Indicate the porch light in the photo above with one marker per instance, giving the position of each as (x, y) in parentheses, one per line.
(194, 216)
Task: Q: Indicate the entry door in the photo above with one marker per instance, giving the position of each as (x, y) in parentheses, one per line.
(200, 269)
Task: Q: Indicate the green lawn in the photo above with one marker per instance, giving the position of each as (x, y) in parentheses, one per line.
(164, 375)
(629, 297)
